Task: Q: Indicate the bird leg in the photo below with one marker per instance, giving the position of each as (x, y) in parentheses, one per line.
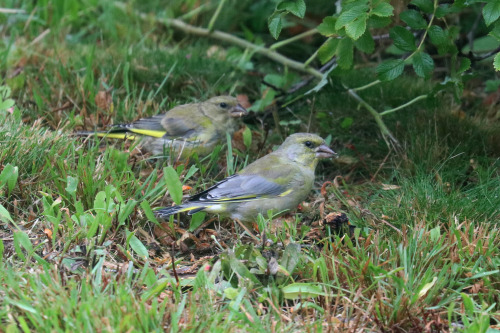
(247, 230)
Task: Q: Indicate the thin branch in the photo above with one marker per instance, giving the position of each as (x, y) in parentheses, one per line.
(308, 79)
(371, 84)
(293, 39)
(178, 24)
(416, 99)
(389, 139)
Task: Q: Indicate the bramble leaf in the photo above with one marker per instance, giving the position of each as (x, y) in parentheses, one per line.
(357, 27)
(327, 27)
(491, 11)
(423, 64)
(383, 9)
(296, 7)
(275, 24)
(403, 39)
(413, 18)
(390, 69)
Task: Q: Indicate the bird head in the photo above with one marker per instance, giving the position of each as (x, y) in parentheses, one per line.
(305, 148)
(224, 106)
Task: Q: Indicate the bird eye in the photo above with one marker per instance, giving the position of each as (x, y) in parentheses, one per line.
(223, 105)
(309, 144)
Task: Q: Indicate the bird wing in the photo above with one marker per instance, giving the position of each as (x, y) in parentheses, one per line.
(177, 123)
(241, 188)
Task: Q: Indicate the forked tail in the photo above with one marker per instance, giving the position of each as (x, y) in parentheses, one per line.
(167, 211)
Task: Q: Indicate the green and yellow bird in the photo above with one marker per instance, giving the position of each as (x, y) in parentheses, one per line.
(183, 130)
(278, 181)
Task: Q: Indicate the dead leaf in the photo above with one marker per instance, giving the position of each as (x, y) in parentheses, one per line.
(48, 232)
(243, 100)
(103, 100)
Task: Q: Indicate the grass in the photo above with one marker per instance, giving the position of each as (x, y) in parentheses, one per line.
(81, 249)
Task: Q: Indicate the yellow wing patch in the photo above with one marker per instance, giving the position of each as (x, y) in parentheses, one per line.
(286, 193)
(156, 134)
(122, 136)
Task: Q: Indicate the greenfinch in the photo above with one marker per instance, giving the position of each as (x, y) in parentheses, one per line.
(183, 130)
(278, 181)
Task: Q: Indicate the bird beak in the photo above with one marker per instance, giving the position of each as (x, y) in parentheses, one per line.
(324, 151)
(238, 111)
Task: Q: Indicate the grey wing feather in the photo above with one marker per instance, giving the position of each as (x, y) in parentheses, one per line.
(174, 127)
(178, 127)
(153, 123)
(240, 187)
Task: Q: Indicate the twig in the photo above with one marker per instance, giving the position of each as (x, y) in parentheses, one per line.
(247, 230)
(293, 39)
(40, 37)
(172, 255)
(390, 140)
(416, 99)
(308, 80)
(381, 165)
(225, 37)
(371, 84)
(12, 11)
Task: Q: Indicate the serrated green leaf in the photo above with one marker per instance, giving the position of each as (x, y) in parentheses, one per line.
(345, 53)
(350, 15)
(464, 64)
(390, 69)
(328, 50)
(491, 11)
(424, 5)
(377, 22)
(365, 43)
(383, 9)
(403, 39)
(495, 32)
(496, 62)
(173, 183)
(414, 19)
(357, 27)
(327, 27)
(296, 7)
(437, 35)
(443, 10)
(423, 64)
(275, 24)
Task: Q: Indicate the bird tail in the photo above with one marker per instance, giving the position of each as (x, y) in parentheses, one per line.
(167, 211)
(110, 135)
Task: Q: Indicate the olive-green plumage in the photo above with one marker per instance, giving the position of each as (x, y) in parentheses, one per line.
(278, 181)
(183, 130)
